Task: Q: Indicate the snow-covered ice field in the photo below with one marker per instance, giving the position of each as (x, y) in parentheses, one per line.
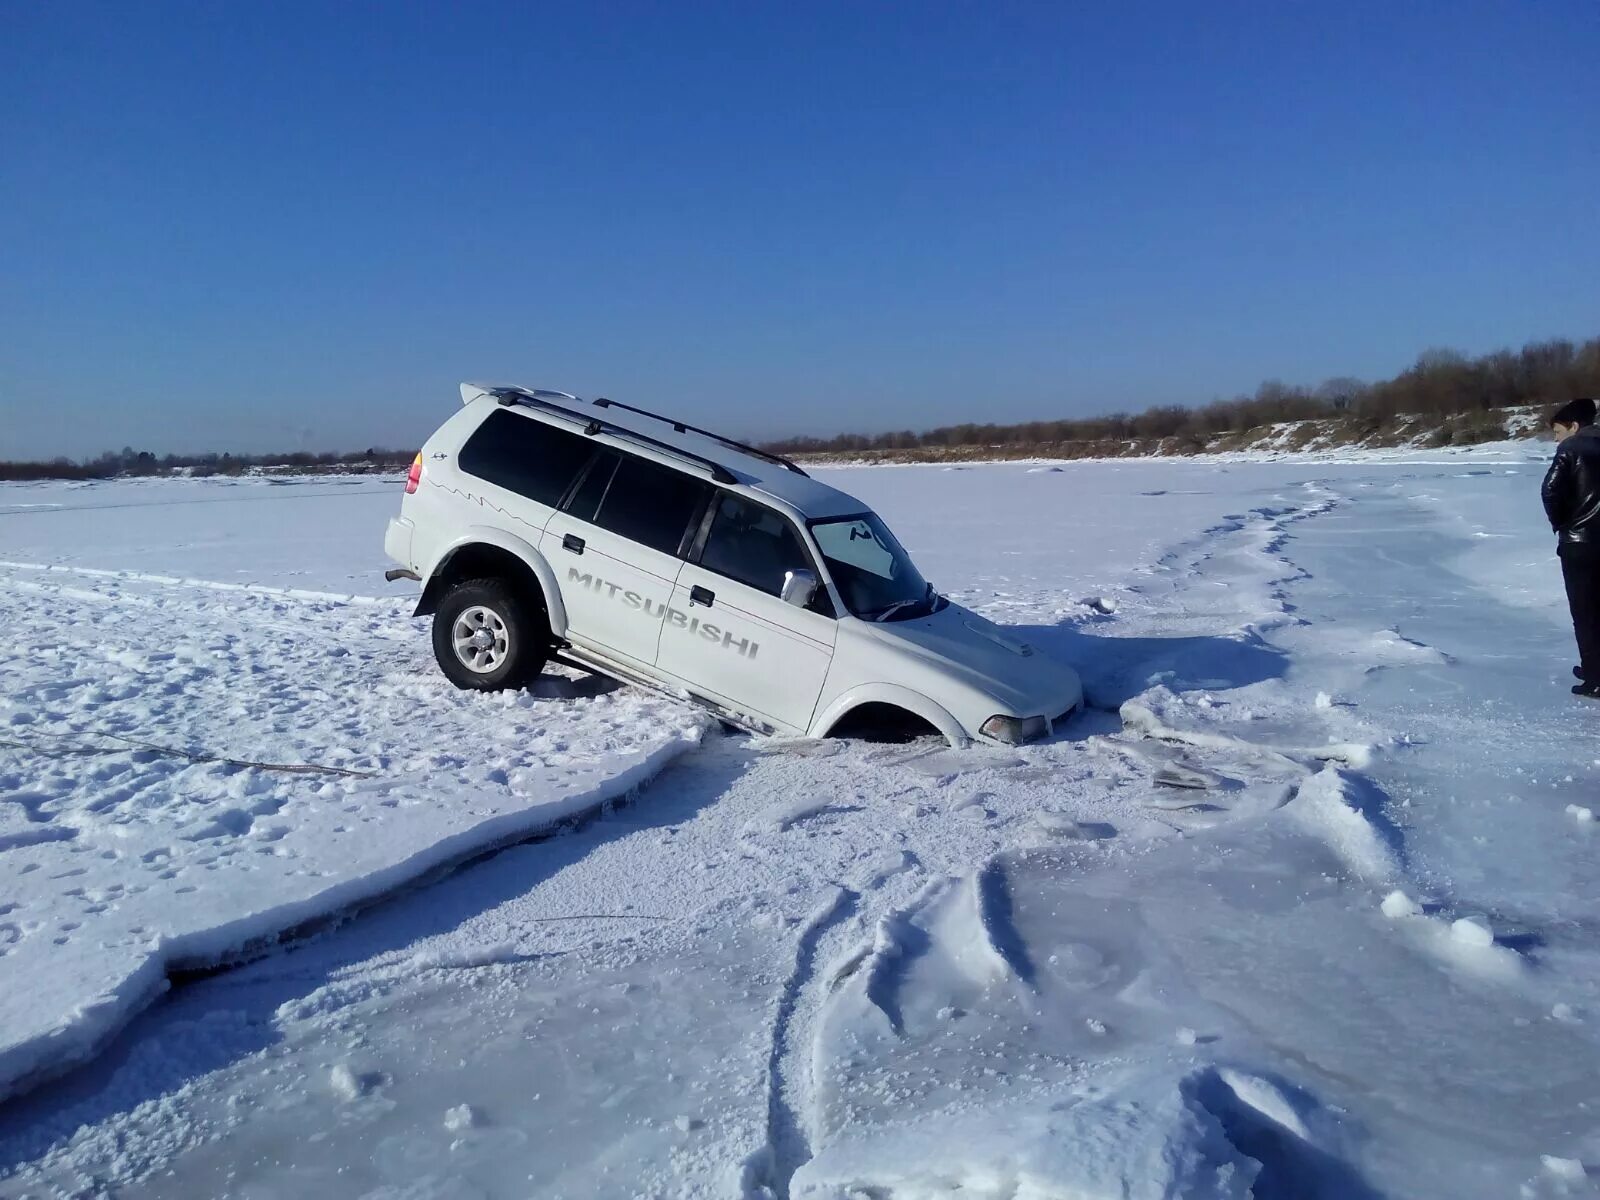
(1306, 905)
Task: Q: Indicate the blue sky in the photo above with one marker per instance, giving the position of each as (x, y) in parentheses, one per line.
(253, 226)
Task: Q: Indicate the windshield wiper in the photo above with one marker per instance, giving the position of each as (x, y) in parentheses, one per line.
(885, 614)
(927, 597)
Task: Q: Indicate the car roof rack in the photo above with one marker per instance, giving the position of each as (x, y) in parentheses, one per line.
(684, 427)
(507, 396)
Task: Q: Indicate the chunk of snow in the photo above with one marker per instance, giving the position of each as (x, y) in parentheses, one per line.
(1057, 824)
(1324, 700)
(1579, 813)
(346, 1084)
(1142, 1137)
(1268, 1100)
(1567, 1170)
(1324, 806)
(1397, 905)
(1472, 931)
(1183, 778)
(789, 812)
(463, 956)
(1187, 1036)
(462, 1116)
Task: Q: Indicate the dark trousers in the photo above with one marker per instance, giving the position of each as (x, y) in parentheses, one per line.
(1580, 567)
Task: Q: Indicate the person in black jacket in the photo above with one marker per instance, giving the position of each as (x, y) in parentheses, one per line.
(1572, 502)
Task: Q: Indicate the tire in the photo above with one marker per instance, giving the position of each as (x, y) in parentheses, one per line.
(503, 640)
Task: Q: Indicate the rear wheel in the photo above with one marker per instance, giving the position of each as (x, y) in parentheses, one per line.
(488, 637)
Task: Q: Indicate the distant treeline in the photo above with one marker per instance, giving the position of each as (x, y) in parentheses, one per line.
(129, 462)
(1442, 383)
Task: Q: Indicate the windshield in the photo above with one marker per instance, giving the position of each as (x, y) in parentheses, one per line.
(872, 571)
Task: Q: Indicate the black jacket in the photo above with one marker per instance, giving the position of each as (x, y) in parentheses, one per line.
(1572, 488)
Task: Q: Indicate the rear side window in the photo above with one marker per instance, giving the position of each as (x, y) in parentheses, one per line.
(753, 545)
(525, 456)
(645, 502)
(591, 491)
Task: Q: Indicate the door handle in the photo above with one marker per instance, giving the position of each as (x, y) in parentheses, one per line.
(700, 595)
(573, 542)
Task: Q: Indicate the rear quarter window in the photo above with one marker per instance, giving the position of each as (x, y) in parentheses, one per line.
(525, 456)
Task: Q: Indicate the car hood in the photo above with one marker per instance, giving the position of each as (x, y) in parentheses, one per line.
(988, 656)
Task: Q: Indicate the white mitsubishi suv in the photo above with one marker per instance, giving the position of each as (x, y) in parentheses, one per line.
(675, 559)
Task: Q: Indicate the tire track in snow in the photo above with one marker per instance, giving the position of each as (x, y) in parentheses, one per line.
(790, 1070)
(992, 890)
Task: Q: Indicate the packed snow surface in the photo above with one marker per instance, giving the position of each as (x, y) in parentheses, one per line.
(190, 767)
(1305, 905)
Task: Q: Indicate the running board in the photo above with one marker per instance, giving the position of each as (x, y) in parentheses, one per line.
(586, 660)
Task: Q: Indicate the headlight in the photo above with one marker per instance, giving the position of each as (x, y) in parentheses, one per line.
(1015, 730)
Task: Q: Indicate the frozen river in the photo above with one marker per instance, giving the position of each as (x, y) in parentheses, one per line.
(1354, 955)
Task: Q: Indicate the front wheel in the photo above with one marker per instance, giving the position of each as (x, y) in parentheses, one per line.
(488, 638)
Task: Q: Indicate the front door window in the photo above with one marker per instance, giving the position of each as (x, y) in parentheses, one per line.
(756, 547)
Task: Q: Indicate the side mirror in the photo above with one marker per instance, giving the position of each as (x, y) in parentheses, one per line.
(798, 587)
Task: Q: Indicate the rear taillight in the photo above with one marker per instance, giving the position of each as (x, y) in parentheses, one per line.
(415, 477)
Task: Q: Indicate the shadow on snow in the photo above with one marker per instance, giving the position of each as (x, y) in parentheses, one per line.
(1115, 669)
